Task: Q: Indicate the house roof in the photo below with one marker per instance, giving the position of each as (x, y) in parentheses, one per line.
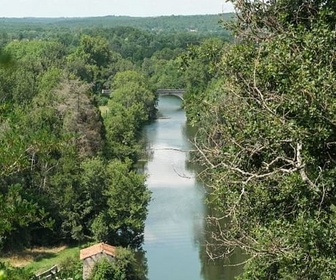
(96, 249)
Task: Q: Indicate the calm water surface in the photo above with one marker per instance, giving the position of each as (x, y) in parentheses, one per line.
(175, 229)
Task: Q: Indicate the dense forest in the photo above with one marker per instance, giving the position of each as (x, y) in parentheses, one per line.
(163, 24)
(262, 104)
(265, 113)
(68, 151)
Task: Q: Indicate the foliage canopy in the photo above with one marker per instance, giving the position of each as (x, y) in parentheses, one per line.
(267, 138)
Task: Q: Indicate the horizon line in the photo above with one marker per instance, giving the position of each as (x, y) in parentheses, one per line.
(102, 16)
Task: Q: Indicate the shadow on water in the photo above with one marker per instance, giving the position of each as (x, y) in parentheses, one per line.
(226, 269)
(142, 269)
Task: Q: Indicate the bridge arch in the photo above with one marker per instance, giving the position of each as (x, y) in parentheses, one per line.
(171, 92)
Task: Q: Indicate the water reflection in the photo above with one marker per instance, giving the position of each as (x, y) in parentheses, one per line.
(227, 268)
(175, 231)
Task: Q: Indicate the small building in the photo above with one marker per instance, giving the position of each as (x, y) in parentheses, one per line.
(93, 254)
(106, 92)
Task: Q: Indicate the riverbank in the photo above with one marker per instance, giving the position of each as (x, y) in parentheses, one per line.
(41, 258)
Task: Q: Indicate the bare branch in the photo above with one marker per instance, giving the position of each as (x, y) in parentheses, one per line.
(301, 166)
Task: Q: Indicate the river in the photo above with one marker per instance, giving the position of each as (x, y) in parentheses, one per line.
(175, 231)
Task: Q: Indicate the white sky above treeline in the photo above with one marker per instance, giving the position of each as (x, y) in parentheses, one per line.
(85, 8)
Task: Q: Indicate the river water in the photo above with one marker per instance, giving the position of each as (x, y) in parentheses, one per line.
(175, 231)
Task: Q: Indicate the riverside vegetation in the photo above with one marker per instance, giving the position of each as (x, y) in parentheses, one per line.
(67, 170)
(265, 113)
(263, 106)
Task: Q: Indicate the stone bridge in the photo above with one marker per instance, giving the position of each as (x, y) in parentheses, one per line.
(173, 92)
(160, 92)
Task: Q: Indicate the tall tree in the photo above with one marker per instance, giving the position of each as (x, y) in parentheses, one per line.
(267, 136)
(90, 60)
(132, 104)
(122, 222)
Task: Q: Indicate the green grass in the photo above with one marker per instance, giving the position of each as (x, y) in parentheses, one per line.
(103, 110)
(46, 261)
(38, 260)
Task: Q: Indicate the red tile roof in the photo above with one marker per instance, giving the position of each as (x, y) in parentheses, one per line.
(96, 249)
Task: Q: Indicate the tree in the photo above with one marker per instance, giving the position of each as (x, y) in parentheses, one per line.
(17, 213)
(263, 18)
(90, 60)
(30, 59)
(8, 272)
(80, 117)
(131, 105)
(199, 63)
(267, 137)
(5, 58)
(164, 73)
(200, 67)
(124, 267)
(123, 220)
(54, 160)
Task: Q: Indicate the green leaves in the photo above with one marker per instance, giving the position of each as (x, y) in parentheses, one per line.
(90, 60)
(18, 211)
(65, 172)
(265, 128)
(132, 104)
(13, 273)
(123, 267)
(5, 59)
(127, 200)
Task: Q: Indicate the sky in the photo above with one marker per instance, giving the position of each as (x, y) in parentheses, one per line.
(84, 8)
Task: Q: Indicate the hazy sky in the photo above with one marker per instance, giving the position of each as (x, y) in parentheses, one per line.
(80, 8)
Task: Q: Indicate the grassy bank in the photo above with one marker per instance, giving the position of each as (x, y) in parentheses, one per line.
(40, 259)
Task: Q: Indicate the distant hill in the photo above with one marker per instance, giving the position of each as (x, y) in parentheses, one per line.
(195, 23)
